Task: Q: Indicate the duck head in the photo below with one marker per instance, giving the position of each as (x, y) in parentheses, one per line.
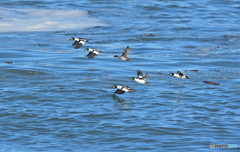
(114, 86)
(132, 78)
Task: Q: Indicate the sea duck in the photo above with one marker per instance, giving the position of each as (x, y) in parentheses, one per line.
(124, 56)
(179, 75)
(140, 78)
(122, 89)
(92, 52)
(78, 42)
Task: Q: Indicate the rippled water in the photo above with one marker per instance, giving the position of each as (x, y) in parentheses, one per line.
(53, 98)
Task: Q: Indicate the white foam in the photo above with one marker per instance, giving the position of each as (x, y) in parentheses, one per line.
(20, 20)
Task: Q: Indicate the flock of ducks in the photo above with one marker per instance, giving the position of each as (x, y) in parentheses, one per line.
(140, 78)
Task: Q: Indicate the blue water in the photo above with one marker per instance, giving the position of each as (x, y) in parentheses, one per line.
(53, 98)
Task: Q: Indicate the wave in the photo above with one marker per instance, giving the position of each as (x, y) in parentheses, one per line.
(27, 20)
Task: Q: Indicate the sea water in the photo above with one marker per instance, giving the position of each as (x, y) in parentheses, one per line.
(53, 98)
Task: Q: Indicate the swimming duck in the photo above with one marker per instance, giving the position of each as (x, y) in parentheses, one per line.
(179, 75)
(78, 42)
(140, 78)
(122, 89)
(124, 56)
(92, 52)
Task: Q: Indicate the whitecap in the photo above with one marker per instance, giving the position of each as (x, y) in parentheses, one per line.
(27, 20)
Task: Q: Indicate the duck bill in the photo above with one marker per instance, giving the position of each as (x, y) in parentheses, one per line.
(100, 52)
(128, 60)
(146, 83)
(131, 90)
(187, 78)
(116, 56)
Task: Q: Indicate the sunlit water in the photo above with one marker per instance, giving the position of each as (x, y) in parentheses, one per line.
(53, 98)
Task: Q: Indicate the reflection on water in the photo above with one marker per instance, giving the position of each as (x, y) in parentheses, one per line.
(121, 103)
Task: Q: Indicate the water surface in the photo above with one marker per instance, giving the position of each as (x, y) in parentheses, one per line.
(53, 98)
